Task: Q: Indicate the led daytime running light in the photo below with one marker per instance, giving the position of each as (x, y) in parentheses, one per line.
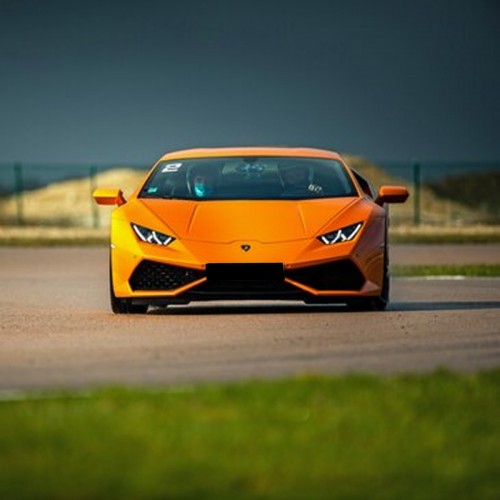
(345, 234)
(151, 236)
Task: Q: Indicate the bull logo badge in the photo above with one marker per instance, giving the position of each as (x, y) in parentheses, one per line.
(245, 248)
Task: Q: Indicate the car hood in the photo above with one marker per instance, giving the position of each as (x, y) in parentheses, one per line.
(265, 221)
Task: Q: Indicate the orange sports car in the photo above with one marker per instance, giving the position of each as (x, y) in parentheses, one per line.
(250, 223)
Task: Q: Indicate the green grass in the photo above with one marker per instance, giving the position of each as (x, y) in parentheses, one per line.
(424, 239)
(437, 238)
(479, 270)
(74, 236)
(356, 436)
(104, 241)
(53, 242)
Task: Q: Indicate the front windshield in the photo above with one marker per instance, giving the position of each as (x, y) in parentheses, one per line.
(249, 178)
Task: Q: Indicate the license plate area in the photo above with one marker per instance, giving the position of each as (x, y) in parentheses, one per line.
(245, 272)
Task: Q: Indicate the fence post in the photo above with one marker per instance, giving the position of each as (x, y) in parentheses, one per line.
(18, 190)
(93, 205)
(417, 184)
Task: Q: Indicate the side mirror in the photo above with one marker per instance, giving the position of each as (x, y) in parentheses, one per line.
(392, 194)
(109, 196)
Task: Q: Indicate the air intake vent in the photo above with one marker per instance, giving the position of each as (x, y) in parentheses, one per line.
(339, 275)
(151, 276)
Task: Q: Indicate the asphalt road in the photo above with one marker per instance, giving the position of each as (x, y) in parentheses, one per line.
(56, 329)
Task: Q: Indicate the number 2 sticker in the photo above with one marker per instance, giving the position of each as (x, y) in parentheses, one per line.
(171, 167)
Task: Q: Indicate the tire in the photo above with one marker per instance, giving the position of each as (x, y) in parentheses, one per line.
(376, 303)
(380, 303)
(122, 306)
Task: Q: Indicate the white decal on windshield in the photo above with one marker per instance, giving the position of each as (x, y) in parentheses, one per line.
(171, 167)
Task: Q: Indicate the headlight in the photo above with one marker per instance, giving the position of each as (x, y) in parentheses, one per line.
(150, 236)
(345, 234)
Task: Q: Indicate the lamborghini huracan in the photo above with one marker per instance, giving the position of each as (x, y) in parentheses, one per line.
(250, 223)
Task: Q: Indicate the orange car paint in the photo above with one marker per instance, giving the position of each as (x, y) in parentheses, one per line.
(279, 231)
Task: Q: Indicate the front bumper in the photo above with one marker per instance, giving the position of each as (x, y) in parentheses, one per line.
(299, 270)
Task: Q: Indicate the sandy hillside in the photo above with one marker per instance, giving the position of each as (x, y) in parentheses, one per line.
(69, 203)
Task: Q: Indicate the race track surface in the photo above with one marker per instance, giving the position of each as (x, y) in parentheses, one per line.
(56, 329)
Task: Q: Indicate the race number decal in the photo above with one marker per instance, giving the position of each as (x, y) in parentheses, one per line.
(171, 167)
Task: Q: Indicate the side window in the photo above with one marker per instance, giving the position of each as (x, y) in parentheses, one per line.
(365, 186)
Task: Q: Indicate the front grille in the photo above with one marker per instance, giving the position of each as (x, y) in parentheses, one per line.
(339, 275)
(150, 275)
(254, 287)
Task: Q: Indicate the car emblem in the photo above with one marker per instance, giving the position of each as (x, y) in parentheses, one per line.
(245, 248)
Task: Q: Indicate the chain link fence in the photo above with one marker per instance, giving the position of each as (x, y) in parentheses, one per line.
(441, 193)
(449, 194)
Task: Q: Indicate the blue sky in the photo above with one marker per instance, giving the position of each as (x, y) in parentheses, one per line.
(105, 81)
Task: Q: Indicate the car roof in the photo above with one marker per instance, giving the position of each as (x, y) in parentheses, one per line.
(251, 151)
